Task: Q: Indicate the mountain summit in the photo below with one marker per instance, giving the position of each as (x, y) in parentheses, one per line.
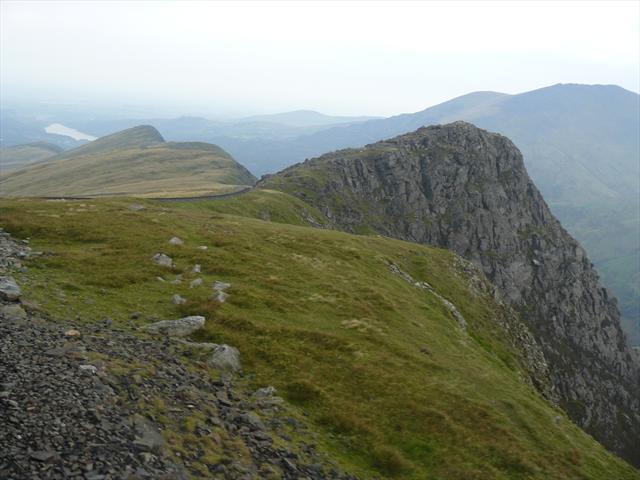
(467, 190)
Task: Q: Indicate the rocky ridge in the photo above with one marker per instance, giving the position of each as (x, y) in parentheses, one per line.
(467, 190)
(95, 402)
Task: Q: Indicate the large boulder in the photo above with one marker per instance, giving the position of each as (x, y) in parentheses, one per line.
(176, 328)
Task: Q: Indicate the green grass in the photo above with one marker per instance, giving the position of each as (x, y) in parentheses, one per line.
(390, 384)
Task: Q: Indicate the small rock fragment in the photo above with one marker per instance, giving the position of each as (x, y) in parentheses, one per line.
(136, 207)
(195, 283)
(196, 268)
(175, 241)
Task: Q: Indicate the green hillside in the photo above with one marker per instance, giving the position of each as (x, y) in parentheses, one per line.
(133, 162)
(379, 369)
(20, 156)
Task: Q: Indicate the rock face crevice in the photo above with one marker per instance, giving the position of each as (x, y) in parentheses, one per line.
(467, 190)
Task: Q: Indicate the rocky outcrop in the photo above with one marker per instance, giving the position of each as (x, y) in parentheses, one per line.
(467, 190)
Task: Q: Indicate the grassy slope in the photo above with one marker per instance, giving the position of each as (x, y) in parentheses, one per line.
(163, 169)
(318, 314)
(20, 156)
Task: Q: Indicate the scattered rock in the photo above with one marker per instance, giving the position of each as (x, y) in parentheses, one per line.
(220, 295)
(226, 358)
(162, 260)
(13, 312)
(178, 300)
(9, 289)
(176, 328)
(202, 247)
(196, 268)
(177, 280)
(88, 369)
(195, 283)
(135, 315)
(176, 241)
(147, 435)
(43, 455)
(220, 286)
(264, 392)
(136, 207)
(73, 333)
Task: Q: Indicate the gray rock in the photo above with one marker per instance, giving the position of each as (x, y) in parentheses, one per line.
(226, 359)
(196, 268)
(202, 247)
(220, 286)
(9, 289)
(147, 435)
(162, 260)
(13, 312)
(220, 296)
(195, 283)
(264, 392)
(88, 369)
(176, 328)
(176, 241)
(177, 299)
(136, 207)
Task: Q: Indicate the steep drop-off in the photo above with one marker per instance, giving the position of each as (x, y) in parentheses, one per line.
(467, 190)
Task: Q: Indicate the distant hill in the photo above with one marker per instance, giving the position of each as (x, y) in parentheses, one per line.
(303, 118)
(19, 156)
(136, 161)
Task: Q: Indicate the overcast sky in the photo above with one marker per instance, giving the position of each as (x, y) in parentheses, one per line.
(374, 58)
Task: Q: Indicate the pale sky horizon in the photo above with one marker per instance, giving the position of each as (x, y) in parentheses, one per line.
(342, 58)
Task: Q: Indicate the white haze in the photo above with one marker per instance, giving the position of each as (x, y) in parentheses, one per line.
(365, 58)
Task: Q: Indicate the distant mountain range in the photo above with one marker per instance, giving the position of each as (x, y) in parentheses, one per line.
(136, 161)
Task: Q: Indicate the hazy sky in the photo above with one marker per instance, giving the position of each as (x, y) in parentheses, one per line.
(376, 58)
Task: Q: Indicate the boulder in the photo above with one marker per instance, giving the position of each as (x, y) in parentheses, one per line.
(9, 289)
(225, 358)
(162, 260)
(195, 283)
(178, 300)
(176, 328)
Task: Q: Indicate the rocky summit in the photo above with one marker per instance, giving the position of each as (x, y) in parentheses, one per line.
(465, 189)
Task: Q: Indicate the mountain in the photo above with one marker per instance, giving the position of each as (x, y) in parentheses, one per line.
(20, 156)
(581, 146)
(303, 118)
(467, 190)
(360, 354)
(20, 129)
(136, 161)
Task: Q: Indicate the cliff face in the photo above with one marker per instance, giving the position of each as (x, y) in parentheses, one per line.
(467, 190)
